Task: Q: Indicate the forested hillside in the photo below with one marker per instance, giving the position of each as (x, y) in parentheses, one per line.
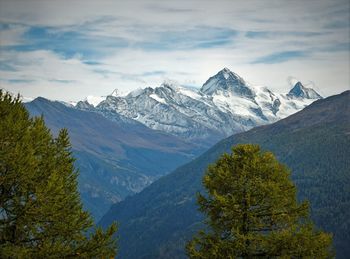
(314, 143)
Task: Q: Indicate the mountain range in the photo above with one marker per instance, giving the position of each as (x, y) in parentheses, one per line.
(115, 158)
(224, 105)
(124, 142)
(314, 143)
(118, 140)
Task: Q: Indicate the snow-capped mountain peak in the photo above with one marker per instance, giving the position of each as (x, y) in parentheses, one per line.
(300, 91)
(224, 105)
(115, 93)
(227, 81)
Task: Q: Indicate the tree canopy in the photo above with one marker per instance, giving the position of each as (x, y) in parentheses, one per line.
(41, 215)
(252, 211)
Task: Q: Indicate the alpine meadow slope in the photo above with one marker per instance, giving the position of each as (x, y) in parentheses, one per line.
(115, 158)
(313, 143)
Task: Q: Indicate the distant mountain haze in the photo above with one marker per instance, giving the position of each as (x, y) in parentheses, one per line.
(115, 158)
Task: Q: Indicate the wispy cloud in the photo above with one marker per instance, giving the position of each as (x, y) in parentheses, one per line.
(160, 8)
(276, 34)
(337, 24)
(6, 67)
(337, 47)
(20, 81)
(154, 73)
(280, 57)
(67, 43)
(91, 49)
(188, 39)
(62, 81)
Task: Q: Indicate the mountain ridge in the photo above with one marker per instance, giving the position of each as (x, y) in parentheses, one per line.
(227, 80)
(300, 91)
(224, 105)
(116, 158)
(313, 142)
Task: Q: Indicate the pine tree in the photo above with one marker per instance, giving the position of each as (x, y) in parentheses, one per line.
(41, 214)
(253, 211)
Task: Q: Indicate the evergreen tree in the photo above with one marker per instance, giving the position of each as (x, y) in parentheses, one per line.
(41, 214)
(253, 212)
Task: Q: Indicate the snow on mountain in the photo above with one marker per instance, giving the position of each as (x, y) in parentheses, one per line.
(117, 93)
(300, 91)
(224, 105)
(227, 82)
(94, 100)
(157, 98)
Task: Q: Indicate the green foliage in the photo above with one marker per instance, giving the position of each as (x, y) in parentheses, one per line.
(253, 211)
(41, 214)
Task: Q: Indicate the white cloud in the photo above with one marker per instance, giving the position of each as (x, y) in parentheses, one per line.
(52, 76)
(12, 35)
(320, 29)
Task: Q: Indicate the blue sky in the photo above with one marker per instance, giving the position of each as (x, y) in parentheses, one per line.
(67, 50)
